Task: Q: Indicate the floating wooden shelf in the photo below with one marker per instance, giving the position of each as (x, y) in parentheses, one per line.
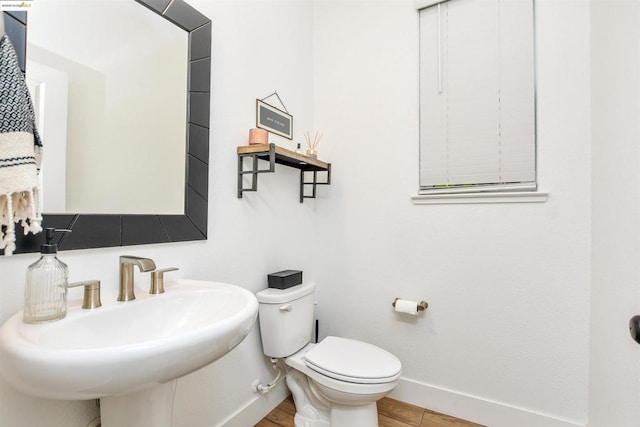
(273, 154)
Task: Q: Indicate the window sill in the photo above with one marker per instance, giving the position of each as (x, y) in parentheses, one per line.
(471, 198)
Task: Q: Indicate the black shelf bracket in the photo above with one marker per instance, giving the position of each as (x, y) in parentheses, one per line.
(314, 183)
(254, 171)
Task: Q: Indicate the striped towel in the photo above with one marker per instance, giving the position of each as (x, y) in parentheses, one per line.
(20, 152)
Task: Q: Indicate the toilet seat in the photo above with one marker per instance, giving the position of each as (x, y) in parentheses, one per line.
(353, 361)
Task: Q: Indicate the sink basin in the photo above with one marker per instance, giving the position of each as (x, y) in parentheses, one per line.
(125, 347)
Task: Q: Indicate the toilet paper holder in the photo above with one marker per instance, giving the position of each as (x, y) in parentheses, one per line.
(421, 306)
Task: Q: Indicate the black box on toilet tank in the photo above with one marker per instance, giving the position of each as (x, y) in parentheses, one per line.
(284, 279)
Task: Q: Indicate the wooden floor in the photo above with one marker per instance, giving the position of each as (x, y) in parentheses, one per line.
(391, 413)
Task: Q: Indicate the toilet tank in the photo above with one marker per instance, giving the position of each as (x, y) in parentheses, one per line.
(286, 319)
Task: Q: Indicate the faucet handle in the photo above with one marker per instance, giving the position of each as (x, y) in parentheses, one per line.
(157, 280)
(91, 293)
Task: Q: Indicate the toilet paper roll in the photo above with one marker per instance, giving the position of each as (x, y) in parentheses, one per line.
(406, 306)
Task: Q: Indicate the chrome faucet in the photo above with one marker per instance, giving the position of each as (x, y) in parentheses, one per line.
(126, 274)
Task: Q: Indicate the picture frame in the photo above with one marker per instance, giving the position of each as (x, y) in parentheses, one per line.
(273, 119)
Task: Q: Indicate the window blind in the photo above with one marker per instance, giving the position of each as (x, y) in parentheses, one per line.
(477, 96)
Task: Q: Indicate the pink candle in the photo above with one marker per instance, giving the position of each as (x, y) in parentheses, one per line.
(258, 136)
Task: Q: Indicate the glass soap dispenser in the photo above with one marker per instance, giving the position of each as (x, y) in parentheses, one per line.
(45, 296)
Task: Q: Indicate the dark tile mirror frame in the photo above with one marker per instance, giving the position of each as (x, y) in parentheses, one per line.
(97, 230)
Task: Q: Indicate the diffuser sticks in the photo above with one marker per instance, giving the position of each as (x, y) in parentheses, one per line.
(312, 147)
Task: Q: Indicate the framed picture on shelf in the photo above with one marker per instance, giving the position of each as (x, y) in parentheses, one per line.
(273, 120)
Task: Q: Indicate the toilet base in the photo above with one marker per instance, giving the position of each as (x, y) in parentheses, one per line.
(341, 416)
(364, 416)
(302, 421)
(311, 410)
(314, 410)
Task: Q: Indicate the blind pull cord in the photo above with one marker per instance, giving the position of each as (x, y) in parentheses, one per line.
(439, 51)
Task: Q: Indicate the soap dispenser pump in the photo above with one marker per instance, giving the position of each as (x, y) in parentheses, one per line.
(45, 297)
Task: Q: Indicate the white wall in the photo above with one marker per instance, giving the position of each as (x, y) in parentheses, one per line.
(614, 390)
(258, 47)
(505, 340)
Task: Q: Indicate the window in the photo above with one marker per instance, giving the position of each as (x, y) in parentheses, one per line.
(477, 96)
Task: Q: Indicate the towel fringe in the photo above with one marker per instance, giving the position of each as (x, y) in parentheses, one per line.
(8, 241)
(22, 207)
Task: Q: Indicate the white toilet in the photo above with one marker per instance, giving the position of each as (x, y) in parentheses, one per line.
(335, 382)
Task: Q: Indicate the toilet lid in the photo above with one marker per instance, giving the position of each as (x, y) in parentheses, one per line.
(353, 361)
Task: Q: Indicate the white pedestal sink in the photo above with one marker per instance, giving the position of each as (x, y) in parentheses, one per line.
(128, 354)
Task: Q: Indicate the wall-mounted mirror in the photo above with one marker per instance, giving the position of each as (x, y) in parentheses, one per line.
(122, 166)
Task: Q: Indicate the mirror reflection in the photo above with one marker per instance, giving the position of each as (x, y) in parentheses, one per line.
(109, 84)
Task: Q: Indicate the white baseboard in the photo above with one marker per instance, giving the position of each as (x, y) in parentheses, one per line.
(257, 408)
(473, 408)
(460, 405)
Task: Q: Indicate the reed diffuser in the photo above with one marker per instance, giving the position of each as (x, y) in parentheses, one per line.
(312, 147)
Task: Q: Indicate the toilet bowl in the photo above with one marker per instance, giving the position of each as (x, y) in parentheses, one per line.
(335, 382)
